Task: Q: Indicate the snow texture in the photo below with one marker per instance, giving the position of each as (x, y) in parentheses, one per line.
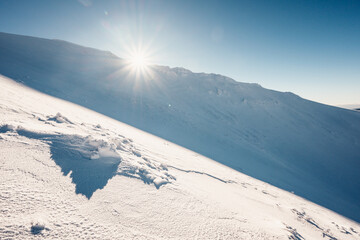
(92, 177)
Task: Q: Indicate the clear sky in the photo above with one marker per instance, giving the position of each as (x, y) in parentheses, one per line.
(309, 47)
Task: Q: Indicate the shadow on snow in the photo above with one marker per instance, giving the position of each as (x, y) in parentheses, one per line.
(73, 154)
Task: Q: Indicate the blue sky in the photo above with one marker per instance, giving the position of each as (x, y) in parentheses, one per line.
(311, 48)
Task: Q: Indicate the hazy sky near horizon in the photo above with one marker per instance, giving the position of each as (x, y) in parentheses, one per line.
(311, 48)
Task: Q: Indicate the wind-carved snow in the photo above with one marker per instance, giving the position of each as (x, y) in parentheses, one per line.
(92, 162)
(59, 118)
(38, 226)
(203, 173)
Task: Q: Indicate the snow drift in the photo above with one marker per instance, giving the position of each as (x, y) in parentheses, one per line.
(295, 144)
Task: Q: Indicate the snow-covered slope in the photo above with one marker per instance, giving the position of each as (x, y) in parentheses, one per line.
(70, 173)
(295, 144)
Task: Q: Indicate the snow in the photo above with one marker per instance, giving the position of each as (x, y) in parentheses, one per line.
(59, 118)
(75, 180)
(280, 138)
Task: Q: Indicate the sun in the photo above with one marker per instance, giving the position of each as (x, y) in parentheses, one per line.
(139, 60)
(139, 64)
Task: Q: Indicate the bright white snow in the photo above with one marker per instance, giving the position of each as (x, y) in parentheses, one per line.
(70, 173)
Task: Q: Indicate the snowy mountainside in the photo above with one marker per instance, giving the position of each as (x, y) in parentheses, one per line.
(70, 173)
(295, 144)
